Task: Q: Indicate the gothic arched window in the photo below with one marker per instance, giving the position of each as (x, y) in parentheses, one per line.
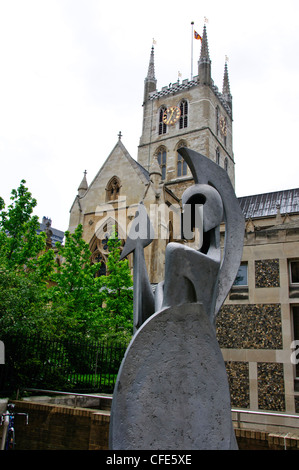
(161, 157)
(184, 114)
(162, 125)
(99, 246)
(99, 252)
(113, 189)
(182, 166)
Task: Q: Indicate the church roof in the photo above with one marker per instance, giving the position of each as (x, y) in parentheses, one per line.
(266, 204)
(144, 171)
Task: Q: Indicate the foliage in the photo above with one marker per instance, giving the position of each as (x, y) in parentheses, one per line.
(64, 299)
(76, 291)
(24, 266)
(118, 290)
(20, 244)
(23, 304)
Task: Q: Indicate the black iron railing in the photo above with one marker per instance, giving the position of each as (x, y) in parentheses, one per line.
(32, 361)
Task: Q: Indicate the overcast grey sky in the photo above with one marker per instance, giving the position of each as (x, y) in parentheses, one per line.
(72, 76)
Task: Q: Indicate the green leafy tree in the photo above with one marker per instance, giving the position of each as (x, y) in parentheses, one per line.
(77, 291)
(67, 299)
(23, 304)
(117, 287)
(24, 266)
(20, 243)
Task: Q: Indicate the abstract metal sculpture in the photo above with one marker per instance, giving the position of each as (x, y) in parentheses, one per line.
(172, 390)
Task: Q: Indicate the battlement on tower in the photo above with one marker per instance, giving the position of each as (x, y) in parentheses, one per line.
(186, 84)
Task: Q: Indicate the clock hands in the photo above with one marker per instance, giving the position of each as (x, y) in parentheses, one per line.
(171, 115)
(172, 111)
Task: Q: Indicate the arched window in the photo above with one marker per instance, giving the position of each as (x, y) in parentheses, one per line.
(182, 166)
(113, 189)
(217, 156)
(161, 156)
(184, 114)
(99, 245)
(162, 125)
(99, 252)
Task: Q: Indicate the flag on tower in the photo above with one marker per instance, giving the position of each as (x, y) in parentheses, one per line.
(197, 36)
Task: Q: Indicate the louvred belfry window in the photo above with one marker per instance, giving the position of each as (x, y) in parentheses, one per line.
(162, 125)
(184, 114)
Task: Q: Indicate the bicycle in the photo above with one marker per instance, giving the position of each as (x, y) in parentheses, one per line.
(7, 420)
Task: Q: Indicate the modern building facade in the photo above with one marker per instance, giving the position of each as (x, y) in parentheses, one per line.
(258, 323)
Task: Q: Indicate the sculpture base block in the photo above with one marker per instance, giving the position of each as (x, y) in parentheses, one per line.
(172, 390)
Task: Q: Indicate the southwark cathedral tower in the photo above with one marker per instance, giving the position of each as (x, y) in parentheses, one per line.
(191, 113)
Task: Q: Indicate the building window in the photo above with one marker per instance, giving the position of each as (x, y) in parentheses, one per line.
(162, 125)
(295, 355)
(217, 156)
(184, 114)
(113, 189)
(294, 272)
(99, 250)
(242, 275)
(182, 166)
(99, 246)
(161, 156)
(239, 290)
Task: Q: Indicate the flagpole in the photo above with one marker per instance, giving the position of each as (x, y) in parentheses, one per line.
(192, 23)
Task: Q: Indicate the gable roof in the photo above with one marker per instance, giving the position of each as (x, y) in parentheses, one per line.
(266, 204)
(140, 170)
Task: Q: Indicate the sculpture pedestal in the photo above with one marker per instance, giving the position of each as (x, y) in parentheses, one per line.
(172, 390)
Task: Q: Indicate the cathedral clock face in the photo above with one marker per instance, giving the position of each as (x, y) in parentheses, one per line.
(171, 115)
(222, 123)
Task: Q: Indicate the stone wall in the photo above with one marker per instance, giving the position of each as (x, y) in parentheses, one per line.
(250, 326)
(57, 427)
(267, 273)
(238, 378)
(271, 391)
(255, 327)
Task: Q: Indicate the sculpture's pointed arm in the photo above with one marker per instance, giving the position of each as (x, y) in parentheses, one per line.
(140, 235)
